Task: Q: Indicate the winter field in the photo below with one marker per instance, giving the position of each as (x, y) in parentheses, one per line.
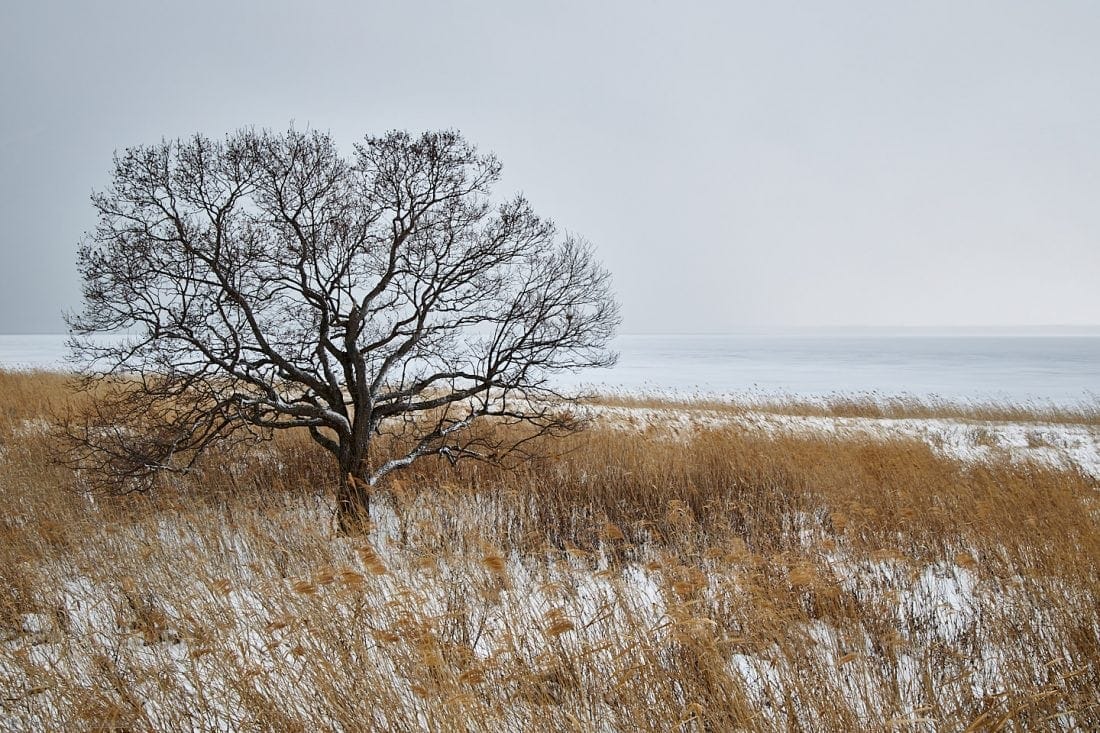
(824, 565)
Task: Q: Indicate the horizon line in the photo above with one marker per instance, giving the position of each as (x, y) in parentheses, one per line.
(738, 330)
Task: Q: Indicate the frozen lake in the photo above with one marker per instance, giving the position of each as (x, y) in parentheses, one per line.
(1060, 367)
(35, 351)
(1046, 366)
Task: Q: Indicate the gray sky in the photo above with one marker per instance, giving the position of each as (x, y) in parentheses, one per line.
(736, 164)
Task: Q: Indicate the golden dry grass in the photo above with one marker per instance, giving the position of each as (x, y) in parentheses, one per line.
(723, 579)
(1087, 412)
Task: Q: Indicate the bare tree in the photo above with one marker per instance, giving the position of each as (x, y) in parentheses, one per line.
(266, 282)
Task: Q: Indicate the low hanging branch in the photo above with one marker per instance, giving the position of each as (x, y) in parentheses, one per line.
(265, 282)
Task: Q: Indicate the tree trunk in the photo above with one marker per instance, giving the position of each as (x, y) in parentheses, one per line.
(352, 503)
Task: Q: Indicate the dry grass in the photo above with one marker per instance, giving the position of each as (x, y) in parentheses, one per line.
(722, 580)
(868, 406)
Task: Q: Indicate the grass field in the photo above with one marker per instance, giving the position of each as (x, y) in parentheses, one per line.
(652, 573)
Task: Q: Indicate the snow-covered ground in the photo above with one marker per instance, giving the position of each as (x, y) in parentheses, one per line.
(478, 622)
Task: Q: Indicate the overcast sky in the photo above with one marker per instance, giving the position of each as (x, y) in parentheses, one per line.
(735, 164)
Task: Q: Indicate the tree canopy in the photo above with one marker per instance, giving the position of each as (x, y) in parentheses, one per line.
(265, 281)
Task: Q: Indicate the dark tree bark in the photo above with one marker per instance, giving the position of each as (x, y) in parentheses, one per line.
(266, 282)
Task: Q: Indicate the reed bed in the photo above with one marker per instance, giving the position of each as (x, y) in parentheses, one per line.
(721, 578)
(865, 405)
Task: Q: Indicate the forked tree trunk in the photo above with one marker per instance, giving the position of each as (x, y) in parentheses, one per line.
(352, 501)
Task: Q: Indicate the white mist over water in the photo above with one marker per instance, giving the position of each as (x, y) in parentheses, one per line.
(1044, 366)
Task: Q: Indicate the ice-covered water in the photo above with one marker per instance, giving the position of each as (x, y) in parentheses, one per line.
(33, 351)
(1060, 367)
(1046, 366)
